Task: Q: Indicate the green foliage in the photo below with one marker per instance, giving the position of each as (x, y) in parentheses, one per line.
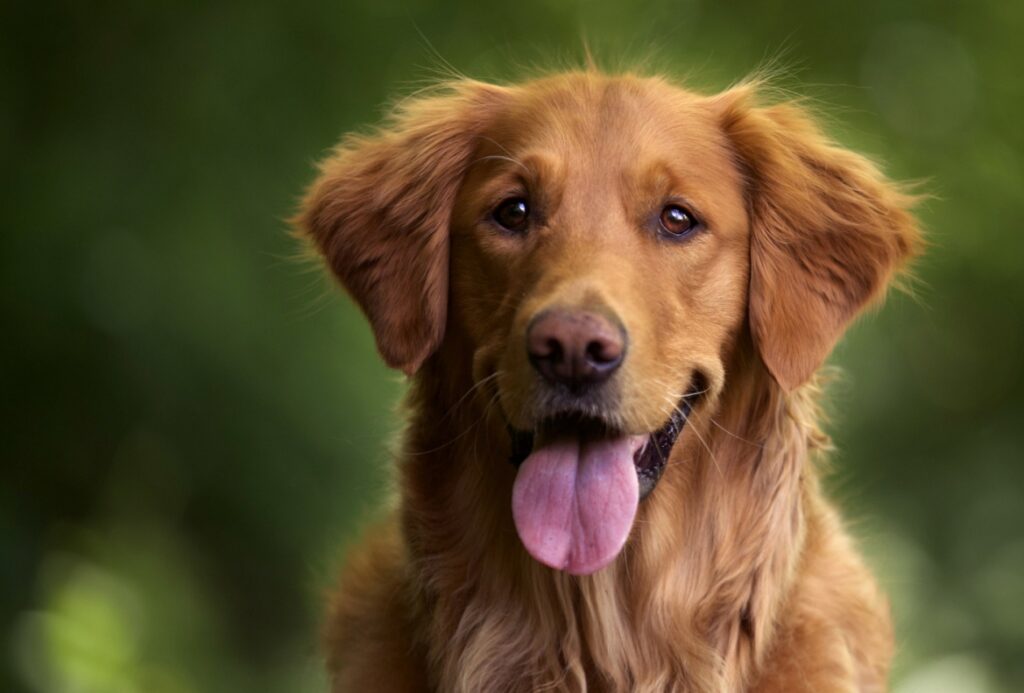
(196, 423)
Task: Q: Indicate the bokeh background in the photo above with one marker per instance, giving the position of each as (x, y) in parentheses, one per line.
(195, 424)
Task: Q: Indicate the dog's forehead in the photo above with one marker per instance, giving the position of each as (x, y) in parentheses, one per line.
(581, 113)
(598, 139)
(615, 125)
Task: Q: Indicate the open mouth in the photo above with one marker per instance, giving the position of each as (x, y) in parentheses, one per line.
(579, 483)
(649, 459)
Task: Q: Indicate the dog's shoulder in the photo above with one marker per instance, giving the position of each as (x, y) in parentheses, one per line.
(836, 625)
(368, 635)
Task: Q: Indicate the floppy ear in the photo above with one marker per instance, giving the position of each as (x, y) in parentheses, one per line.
(379, 214)
(827, 233)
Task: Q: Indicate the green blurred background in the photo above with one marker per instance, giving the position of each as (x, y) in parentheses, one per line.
(195, 424)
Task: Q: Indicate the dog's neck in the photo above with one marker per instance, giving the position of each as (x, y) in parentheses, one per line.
(692, 599)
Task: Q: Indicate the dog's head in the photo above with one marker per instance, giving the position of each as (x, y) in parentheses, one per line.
(601, 243)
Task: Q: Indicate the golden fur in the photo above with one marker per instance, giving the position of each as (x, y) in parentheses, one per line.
(738, 575)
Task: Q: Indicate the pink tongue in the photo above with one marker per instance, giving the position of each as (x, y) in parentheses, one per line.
(574, 501)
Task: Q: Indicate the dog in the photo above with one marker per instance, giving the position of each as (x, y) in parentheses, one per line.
(611, 296)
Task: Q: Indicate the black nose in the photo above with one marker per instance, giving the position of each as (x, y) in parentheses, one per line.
(575, 348)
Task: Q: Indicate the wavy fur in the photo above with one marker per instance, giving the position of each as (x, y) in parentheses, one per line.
(738, 575)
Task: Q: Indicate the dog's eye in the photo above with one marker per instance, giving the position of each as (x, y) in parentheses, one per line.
(677, 220)
(512, 214)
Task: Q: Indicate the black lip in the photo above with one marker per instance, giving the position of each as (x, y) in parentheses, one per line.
(649, 461)
(652, 458)
(522, 445)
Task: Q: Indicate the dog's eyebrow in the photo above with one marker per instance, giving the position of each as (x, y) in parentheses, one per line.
(659, 178)
(657, 173)
(655, 177)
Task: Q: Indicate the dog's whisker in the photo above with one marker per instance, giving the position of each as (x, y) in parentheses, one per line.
(734, 435)
(692, 424)
(471, 426)
(711, 454)
(476, 386)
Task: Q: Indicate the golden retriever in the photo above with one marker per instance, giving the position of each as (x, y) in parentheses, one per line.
(611, 296)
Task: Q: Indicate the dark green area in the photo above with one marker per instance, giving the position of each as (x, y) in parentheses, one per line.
(195, 423)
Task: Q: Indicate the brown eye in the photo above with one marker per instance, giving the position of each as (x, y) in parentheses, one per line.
(512, 214)
(677, 220)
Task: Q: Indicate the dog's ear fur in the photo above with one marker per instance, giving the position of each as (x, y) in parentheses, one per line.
(379, 214)
(827, 233)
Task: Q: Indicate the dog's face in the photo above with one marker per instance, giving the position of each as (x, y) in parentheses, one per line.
(600, 253)
(598, 244)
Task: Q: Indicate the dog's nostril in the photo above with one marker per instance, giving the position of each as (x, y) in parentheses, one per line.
(555, 351)
(603, 353)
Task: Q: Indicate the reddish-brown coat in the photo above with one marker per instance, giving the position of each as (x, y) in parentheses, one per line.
(738, 576)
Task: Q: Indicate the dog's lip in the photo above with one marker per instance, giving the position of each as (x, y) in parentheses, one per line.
(649, 459)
